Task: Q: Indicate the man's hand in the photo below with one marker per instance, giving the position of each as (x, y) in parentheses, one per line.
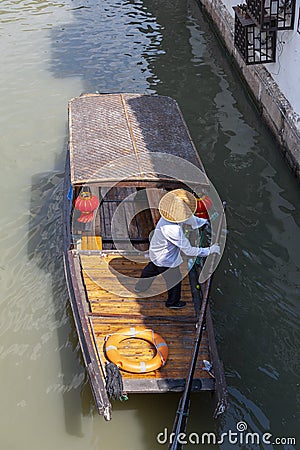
(215, 248)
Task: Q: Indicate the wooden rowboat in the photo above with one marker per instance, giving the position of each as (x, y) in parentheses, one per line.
(126, 151)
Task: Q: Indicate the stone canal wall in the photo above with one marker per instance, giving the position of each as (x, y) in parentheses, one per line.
(273, 105)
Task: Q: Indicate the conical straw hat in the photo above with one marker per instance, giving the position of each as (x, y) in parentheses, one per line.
(177, 206)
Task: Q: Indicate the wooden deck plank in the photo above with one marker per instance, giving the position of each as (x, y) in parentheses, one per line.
(179, 349)
(145, 308)
(144, 311)
(106, 284)
(108, 292)
(99, 262)
(154, 306)
(96, 260)
(114, 269)
(111, 292)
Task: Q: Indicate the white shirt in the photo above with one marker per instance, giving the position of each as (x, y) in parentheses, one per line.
(168, 239)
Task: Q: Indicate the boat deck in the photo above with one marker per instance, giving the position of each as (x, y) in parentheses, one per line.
(113, 306)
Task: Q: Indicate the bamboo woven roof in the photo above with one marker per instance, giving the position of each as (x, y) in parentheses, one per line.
(114, 137)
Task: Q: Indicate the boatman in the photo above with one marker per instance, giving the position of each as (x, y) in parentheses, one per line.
(176, 208)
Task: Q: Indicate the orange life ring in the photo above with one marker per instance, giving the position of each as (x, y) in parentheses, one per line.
(128, 364)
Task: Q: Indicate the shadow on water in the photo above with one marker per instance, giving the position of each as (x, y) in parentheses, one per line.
(165, 47)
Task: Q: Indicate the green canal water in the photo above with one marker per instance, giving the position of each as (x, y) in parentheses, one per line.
(52, 51)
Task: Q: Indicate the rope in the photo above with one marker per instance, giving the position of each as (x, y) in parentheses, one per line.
(114, 382)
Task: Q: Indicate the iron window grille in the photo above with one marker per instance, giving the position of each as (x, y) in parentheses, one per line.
(272, 14)
(256, 46)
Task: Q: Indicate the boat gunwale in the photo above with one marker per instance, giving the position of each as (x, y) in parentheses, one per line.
(79, 310)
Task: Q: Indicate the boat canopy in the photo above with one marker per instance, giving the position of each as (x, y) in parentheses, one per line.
(130, 137)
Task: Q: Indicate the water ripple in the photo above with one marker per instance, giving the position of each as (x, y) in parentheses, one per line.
(12, 11)
(106, 48)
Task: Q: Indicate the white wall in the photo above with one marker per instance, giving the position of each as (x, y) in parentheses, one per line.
(286, 70)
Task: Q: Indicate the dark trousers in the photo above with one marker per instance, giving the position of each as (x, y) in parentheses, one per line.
(172, 276)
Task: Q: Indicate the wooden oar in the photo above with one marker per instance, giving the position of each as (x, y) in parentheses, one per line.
(184, 403)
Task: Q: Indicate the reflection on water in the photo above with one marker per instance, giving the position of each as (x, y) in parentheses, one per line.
(108, 46)
(52, 51)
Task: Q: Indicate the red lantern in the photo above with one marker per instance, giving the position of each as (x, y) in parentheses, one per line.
(86, 203)
(204, 203)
